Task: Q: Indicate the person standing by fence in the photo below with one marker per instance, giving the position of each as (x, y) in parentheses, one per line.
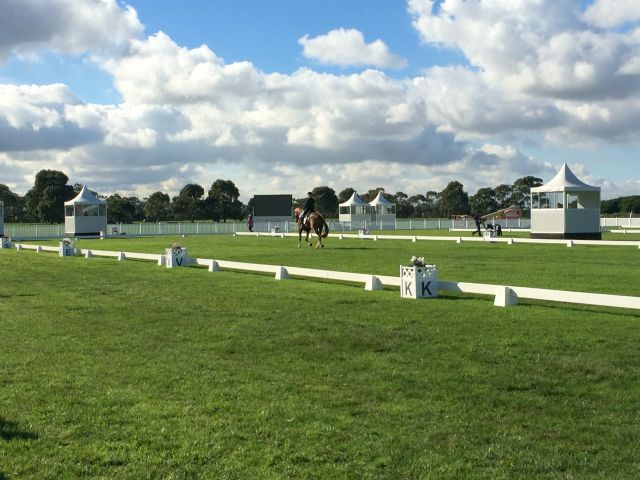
(479, 222)
(250, 223)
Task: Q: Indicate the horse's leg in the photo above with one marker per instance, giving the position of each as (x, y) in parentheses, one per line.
(299, 236)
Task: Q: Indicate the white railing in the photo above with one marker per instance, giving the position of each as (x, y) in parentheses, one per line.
(505, 295)
(458, 239)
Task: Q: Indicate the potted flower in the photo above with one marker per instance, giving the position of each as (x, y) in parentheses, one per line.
(418, 280)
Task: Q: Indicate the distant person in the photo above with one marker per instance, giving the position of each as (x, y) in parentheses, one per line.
(479, 222)
(309, 206)
(498, 230)
(250, 223)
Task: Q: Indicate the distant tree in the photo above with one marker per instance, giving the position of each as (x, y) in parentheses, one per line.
(521, 194)
(13, 205)
(222, 202)
(326, 201)
(189, 204)
(419, 203)
(404, 209)
(621, 205)
(157, 207)
(45, 201)
(453, 200)
(373, 193)
(345, 194)
(120, 209)
(503, 195)
(431, 204)
(484, 201)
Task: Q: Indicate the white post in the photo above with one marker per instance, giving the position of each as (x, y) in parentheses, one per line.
(213, 266)
(505, 297)
(418, 282)
(281, 273)
(373, 283)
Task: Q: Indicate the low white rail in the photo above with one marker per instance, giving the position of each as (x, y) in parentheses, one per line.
(415, 238)
(505, 295)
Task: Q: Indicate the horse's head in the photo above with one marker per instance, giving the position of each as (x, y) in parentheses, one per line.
(296, 214)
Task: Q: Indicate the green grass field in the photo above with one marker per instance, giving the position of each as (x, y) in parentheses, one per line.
(129, 370)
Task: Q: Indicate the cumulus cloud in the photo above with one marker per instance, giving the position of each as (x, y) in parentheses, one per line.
(537, 71)
(65, 26)
(347, 47)
(611, 13)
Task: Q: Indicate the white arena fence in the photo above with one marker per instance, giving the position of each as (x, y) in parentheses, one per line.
(20, 231)
(504, 295)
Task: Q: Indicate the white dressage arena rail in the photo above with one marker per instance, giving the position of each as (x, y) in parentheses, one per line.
(504, 295)
(415, 238)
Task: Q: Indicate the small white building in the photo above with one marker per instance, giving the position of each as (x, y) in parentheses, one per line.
(565, 207)
(383, 212)
(1, 218)
(85, 215)
(356, 211)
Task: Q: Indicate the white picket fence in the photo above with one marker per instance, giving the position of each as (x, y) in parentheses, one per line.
(504, 295)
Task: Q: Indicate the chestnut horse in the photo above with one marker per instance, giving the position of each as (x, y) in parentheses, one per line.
(314, 221)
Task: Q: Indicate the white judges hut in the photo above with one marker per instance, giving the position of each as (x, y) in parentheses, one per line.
(566, 207)
(85, 215)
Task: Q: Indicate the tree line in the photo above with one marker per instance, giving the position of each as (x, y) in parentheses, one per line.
(43, 203)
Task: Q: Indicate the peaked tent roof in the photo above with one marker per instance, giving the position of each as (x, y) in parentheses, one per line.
(380, 200)
(565, 180)
(86, 197)
(354, 200)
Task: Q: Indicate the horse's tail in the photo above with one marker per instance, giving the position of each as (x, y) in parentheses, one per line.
(325, 228)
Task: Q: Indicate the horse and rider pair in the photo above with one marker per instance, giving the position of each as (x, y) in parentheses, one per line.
(308, 219)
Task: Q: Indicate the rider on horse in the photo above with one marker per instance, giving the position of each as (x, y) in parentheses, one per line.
(309, 207)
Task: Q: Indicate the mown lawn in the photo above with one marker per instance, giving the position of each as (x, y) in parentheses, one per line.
(128, 370)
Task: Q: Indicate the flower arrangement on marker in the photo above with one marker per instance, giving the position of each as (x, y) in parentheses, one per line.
(176, 249)
(416, 262)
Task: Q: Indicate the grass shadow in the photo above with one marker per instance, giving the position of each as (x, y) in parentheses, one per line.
(11, 431)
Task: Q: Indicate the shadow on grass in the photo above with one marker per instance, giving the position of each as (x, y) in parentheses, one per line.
(2, 295)
(11, 431)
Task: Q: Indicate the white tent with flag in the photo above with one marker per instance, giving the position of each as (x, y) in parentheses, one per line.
(565, 207)
(85, 215)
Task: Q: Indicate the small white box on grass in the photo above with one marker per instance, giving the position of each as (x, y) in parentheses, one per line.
(176, 257)
(418, 282)
(66, 248)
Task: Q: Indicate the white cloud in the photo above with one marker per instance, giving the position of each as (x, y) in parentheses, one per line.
(65, 26)
(538, 74)
(611, 13)
(347, 47)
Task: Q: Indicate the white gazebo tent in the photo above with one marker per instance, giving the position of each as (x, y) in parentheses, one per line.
(565, 207)
(383, 211)
(85, 215)
(1, 218)
(356, 211)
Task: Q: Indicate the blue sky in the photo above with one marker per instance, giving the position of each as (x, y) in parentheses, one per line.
(286, 95)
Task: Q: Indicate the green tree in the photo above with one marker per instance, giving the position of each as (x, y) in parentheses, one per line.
(120, 209)
(45, 201)
(404, 209)
(189, 204)
(503, 195)
(13, 205)
(157, 207)
(484, 201)
(326, 201)
(222, 202)
(345, 194)
(431, 204)
(453, 200)
(419, 204)
(373, 193)
(521, 194)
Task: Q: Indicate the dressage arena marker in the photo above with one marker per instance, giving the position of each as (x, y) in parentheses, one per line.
(504, 296)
